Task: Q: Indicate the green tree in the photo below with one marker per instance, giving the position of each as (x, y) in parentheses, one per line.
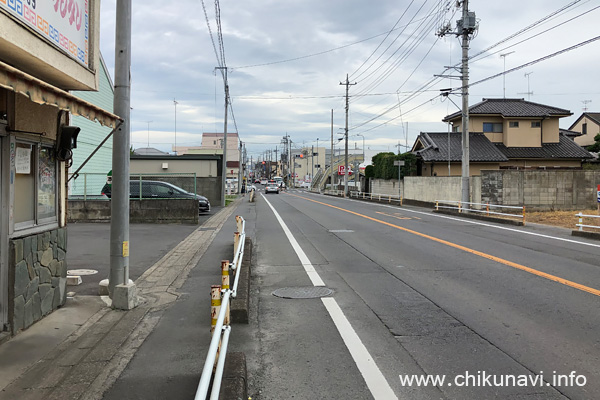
(596, 146)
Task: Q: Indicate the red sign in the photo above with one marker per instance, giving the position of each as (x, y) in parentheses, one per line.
(342, 170)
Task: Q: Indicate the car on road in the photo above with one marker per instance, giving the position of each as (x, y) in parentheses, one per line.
(159, 190)
(305, 185)
(257, 181)
(272, 186)
(264, 181)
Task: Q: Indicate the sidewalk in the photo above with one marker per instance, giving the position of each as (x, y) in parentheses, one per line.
(95, 343)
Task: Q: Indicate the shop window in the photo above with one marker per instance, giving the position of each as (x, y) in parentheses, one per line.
(35, 188)
(492, 127)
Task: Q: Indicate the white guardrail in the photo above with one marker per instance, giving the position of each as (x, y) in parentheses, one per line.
(581, 225)
(377, 196)
(220, 328)
(484, 208)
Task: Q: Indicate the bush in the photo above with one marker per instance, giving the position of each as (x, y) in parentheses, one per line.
(384, 168)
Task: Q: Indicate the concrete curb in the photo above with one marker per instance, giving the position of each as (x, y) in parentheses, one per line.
(586, 234)
(235, 378)
(241, 304)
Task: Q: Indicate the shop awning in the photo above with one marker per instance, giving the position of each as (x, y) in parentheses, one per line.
(41, 92)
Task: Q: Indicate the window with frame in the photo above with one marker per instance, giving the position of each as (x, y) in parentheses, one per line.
(35, 187)
(584, 128)
(536, 124)
(492, 127)
(513, 124)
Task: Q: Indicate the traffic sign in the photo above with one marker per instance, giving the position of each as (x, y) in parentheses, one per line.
(342, 170)
(598, 193)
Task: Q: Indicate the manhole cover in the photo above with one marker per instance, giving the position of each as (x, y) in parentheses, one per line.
(308, 292)
(82, 272)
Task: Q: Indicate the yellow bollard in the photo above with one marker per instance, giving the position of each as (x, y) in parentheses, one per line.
(236, 241)
(487, 208)
(459, 207)
(225, 274)
(215, 305)
(401, 198)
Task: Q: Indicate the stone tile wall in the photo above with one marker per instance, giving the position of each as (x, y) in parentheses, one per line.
(38, 269)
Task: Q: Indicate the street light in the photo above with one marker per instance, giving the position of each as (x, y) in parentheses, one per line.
(175, 103)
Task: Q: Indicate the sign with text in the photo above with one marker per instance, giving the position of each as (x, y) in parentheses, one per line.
(342, 170)
(598, 193)
(64, 23)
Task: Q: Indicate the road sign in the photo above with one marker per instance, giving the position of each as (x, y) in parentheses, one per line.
(342, 170)
(399, 163)
(598, 193)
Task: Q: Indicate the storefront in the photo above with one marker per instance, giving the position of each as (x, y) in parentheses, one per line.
(36, 142)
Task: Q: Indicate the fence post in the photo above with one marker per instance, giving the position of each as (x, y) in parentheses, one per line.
(437, 205)
(389, 198)
(580, 220)
(401, 198)
(85, 187)
(487, 209)
(523, 215)
(236, 240)
(459, 207)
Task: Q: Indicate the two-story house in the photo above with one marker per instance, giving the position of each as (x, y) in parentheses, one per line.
(503, 134)
(588, 124)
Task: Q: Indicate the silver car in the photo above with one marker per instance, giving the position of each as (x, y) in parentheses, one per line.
(272, 186)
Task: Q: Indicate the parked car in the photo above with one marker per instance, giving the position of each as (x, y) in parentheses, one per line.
(160, 190)
(272, 186)
(305, 185)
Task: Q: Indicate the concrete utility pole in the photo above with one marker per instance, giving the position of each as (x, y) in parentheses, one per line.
(312, 163)
(467, 29)
(175, 102)
(123, 294)
(331, 155)
(224, 167)
(276, 163)
(504, 74)
(346, 172)
(239, 188)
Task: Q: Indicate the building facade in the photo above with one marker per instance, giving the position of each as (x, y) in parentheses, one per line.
(44, 53)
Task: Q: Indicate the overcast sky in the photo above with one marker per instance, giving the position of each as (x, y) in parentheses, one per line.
(286, 59)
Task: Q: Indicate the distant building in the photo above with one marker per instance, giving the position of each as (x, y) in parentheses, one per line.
(588, 125)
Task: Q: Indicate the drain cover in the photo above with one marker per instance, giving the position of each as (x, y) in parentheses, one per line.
(308, 292)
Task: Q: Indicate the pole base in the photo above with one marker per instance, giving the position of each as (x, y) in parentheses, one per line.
(125, 297)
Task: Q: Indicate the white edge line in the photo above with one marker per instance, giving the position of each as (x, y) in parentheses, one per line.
(472, 222)
(376, 382)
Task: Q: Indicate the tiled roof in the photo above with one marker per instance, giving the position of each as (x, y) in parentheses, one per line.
(569, 134)
(511, 108)
(480, 148)
(566, 148)
(594, 116)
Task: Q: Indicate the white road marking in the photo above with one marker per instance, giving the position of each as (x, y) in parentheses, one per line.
(475, 222)
(376, 382)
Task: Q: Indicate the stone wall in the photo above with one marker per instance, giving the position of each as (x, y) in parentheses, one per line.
(38, 276)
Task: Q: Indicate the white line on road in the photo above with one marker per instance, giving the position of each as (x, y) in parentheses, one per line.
(376, 382)
(465, 220)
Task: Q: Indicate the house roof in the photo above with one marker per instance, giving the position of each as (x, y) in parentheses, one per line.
(481, 149)
(436, 148)
(568, 133)
(594, 116)
(511, 108)
(564, 149)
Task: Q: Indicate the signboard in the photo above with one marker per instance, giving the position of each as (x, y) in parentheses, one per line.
(400, 163)
(342, 170)
(23, 160)
(598, 193)
(64, 23)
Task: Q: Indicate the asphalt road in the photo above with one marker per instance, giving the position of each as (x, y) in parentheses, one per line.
(89, 248)
(498, 311)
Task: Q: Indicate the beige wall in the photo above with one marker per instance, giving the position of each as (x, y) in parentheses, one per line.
(523, 136)
(441, 169)
(542, 163)
(33, 117)
(25, 50)
(592, 130)
(202, 168)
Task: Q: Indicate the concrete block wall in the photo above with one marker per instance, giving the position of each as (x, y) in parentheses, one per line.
(541, 190)
(428, 188)
(38, 276)
(180, 211)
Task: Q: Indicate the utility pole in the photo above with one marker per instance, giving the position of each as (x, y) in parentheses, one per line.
(464, 28)
(276, 163)
(122, 293)
(224, 166)
(149, 132)
(331, 155)
(312, 163)
(239, 185)
(346, 172)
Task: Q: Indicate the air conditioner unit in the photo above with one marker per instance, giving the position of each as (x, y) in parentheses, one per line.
(165, 165)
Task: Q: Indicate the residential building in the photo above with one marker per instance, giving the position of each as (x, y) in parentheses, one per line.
(504, 134)
(588, 125)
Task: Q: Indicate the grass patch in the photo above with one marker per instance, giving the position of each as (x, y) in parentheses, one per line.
(564, 219)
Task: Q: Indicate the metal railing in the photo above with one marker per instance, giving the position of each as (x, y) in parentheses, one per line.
(377, 196)
(581, 216)
(483, 208)
(220, 327)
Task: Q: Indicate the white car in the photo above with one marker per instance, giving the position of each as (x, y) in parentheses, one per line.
(264, 181)
(272, 186)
